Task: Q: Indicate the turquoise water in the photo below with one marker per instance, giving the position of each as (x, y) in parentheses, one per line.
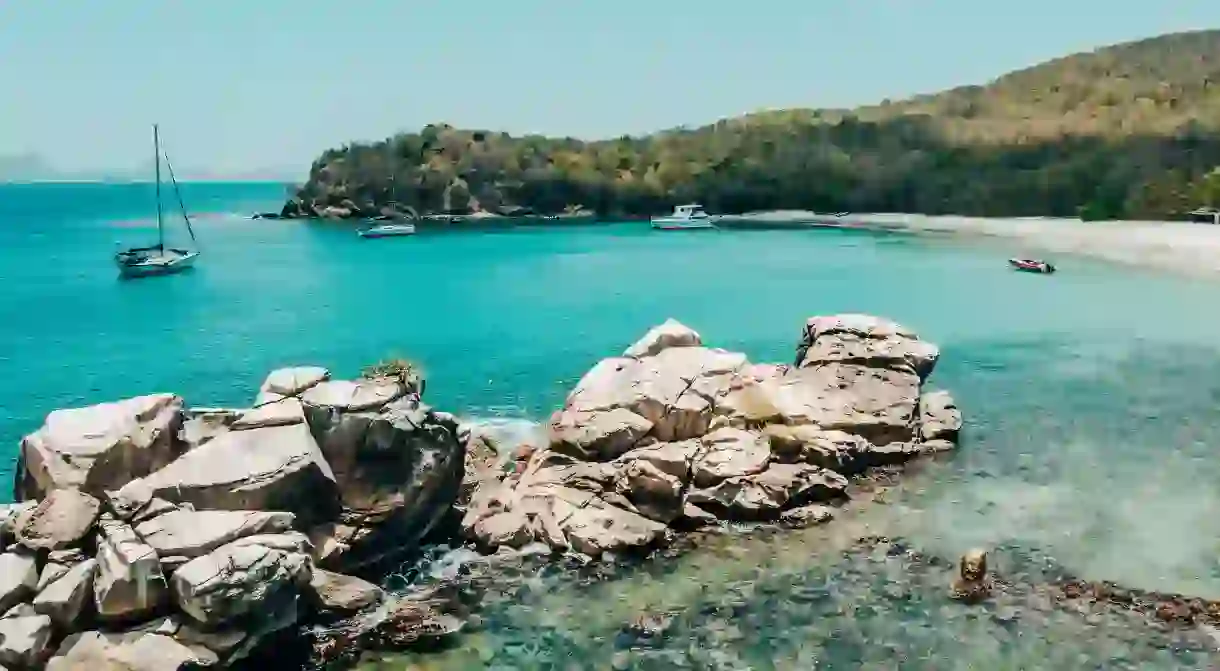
(1092, 396)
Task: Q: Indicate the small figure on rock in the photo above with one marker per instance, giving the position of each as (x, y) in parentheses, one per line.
(972, 583)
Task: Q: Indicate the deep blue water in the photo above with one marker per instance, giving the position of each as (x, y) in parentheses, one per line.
(1092, 396)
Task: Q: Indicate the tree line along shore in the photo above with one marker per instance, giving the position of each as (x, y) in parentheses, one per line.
(1123, 132)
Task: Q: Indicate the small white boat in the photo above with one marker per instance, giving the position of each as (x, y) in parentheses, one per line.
(387, 230)
(148, 261)
(158, 259)
(685, 217)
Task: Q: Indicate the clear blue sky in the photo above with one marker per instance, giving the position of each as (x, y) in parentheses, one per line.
(241, 85)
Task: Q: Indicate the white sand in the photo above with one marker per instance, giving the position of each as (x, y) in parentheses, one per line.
(1186, 248)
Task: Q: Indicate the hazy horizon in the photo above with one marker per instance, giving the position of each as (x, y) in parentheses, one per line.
(259, 91)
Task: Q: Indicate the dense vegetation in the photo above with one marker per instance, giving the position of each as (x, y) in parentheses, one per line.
(1131, 130)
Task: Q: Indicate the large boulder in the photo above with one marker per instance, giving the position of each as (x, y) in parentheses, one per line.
(24, 641)
(66, 598)
(100, 447)
(188, 534)
(59, 521)
(18, 578)
(243, 579)
(129, 583)
(398, 466)
(269, 468)
(675, 390)
(671, 333)
(864, 340)
(288, 382)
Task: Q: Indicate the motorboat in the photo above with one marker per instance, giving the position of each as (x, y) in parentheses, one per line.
(685, 217)
(387, 231)
(1032, 265)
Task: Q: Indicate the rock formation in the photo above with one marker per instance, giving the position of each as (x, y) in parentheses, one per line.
(674, 434)
(151, 536)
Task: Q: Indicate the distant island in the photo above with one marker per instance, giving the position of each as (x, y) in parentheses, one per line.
(1126, 131)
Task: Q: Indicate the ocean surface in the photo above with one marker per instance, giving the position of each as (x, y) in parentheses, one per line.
(1092, 401)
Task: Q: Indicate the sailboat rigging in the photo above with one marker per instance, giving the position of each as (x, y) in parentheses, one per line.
(159, 259)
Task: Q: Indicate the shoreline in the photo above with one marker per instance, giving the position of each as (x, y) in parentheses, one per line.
(1178, 247)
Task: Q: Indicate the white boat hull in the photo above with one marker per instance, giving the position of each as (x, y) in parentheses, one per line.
(159, 264)
(671, 224)
(386, 231)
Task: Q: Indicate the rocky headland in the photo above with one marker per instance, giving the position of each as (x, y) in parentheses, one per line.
(146, 530)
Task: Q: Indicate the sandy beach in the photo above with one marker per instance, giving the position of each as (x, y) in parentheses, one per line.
(1179, 247)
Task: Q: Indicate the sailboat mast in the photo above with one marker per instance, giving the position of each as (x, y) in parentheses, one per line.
(157, 169)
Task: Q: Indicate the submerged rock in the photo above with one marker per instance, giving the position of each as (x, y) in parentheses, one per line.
(972, 582)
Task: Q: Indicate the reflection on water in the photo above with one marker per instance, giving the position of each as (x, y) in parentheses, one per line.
(1095, 458)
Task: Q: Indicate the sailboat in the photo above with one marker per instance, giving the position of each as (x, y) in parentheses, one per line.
(159, 259)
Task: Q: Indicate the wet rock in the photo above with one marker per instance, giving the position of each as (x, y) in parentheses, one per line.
(671, 333)
(64, 600)
(972, 582)
(343, 593)
(59, 521)
(235, 579)
(763, 496)
(398, 470)
(939, 417)
(189, 534)
(100, 447)
(18, 578)
(270, 468)
(807, 516)
(129, 583)
(24, 641)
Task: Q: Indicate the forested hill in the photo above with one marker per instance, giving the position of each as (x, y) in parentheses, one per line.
(1129, 130)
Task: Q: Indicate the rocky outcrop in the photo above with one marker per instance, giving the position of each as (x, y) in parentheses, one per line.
(100, 447)
(180, 535)
(675, 434)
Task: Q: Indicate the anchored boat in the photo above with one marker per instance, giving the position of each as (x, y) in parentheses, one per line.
(685, 217)
(387, 230)
(1032, 266)
(158, 259)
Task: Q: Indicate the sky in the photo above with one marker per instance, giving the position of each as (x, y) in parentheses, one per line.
(249, 88)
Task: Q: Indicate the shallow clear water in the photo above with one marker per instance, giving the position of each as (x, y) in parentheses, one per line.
(1091, 396)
